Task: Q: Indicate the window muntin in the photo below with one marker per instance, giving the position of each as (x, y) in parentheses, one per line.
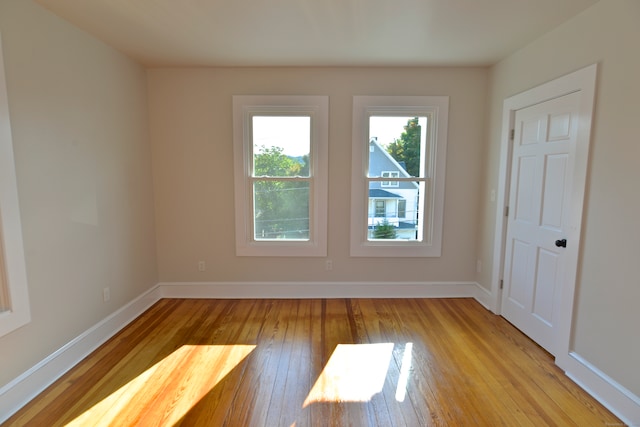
(416, 153)
(280, 156)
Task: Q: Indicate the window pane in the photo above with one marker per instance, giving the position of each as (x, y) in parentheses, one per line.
(281, 210)
(397, 143)
(394, 213)
(281, 145)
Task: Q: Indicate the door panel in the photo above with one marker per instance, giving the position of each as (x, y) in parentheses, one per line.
(559, 127)
(546, 281)
(554, 183)
(532, 130)
(542, 163)
(518, 289)
(525, 196)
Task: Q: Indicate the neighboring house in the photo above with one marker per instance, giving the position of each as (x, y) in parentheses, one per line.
(393, 201)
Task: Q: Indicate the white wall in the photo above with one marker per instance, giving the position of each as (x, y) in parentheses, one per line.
(80, 133)
(607, 315)
(191, 133)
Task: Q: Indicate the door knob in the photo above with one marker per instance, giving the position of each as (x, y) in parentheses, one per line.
(561, 243)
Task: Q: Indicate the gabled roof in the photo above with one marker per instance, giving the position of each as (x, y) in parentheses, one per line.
(380, 160)
(379, 149)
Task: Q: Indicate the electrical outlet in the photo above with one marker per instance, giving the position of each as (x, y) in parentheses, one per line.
(328, 265)
(106, 294)
(202, 266)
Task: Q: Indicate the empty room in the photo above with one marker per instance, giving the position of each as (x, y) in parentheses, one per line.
(408, 213)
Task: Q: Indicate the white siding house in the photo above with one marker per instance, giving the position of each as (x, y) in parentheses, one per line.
(393, 201)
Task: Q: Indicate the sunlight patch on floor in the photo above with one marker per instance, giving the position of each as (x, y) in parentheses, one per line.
(192, 370)
(354, 373)
(405, 369)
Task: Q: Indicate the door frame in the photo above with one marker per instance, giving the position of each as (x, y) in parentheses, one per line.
(584, 81)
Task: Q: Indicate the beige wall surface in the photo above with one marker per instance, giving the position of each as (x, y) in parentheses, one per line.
(607, 315)
(80, 134)
(87, 155)
(190, 114)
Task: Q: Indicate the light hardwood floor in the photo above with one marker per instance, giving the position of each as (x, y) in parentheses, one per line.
(356, 362)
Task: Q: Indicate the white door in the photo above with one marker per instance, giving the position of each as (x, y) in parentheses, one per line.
(544, 148)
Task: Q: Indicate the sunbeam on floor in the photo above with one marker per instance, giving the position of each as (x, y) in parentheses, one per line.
(147, 394)
(355, 373)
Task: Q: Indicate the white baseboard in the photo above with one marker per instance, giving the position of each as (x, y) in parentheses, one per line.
(25, 387)
(483, 296)
(317, 289)
(624, 404)
(21, 390)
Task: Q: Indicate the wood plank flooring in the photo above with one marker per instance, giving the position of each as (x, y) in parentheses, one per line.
(343, 362)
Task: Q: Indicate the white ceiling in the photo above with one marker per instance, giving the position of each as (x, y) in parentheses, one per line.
(316, 32)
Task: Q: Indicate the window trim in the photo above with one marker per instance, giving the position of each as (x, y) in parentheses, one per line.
(245, 107)
(436, 107)
(14, 277)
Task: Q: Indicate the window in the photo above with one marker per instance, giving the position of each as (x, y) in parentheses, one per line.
(380, 209)
(14, 298)
(390, 174)
(403, 138)
(280, 156)
(402, 208)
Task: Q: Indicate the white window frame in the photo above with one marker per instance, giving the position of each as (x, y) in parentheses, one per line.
(436, 108)
(14, 302)
(317, 108)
